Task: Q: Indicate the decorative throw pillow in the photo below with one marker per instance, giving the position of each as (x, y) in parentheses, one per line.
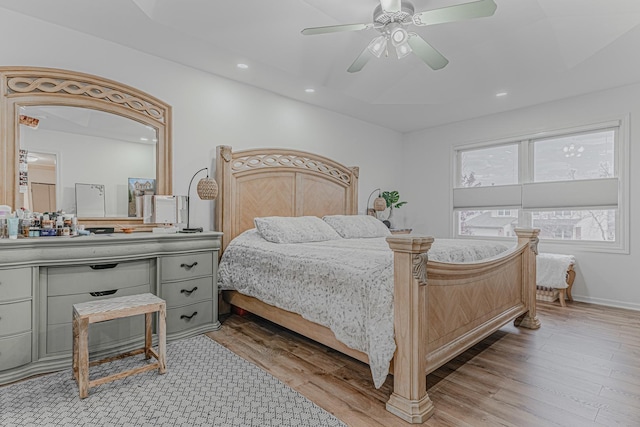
(357, 226)
(301, 229)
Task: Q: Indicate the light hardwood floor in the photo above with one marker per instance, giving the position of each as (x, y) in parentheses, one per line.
(581, 368)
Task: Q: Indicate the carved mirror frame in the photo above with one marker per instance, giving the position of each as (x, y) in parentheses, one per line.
(31, 86)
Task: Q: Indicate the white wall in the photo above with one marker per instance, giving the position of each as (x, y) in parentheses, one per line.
(208, 110)
(604, 278)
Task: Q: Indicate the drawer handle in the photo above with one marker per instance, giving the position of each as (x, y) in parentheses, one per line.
(184, 316)
(103, 266)
(188, 292)
(189, 266)
(103, 293)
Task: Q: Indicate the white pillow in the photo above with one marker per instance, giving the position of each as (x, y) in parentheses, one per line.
(357, 226)
(301, 229)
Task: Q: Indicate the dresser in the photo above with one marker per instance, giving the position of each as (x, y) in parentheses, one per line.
(41, 279)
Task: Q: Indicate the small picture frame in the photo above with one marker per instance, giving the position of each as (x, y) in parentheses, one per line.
(137, 189)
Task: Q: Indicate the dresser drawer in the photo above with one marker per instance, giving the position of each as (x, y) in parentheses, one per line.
(15, 283)
(103, 277)
(187, 291)
(187, 266)
(102, 335)
(59, 308)
(15, 351)
(15, 318)
(190, 316)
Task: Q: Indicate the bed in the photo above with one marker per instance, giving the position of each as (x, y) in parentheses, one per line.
(440, 309)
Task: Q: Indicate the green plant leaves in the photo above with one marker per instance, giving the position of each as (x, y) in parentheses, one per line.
(392, 198)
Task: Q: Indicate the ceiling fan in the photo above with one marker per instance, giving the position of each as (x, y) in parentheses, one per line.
(391, 17)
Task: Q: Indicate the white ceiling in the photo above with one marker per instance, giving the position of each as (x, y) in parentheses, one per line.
(536, 50)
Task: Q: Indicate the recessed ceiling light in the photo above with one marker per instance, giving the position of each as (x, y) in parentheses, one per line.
(144, 139)
(242, 66)
(499, 94)
(310, 90)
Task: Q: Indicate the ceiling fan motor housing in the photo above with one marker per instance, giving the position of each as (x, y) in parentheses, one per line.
(403, 16)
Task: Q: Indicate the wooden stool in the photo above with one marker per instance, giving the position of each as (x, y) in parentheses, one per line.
(109, 309)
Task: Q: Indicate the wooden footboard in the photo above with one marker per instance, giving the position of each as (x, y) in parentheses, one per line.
(441, 309)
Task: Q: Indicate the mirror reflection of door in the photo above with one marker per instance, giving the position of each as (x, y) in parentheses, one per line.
(42, 182)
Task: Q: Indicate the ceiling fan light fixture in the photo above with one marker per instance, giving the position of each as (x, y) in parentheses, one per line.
(378, 46)
(397, 34)
(403, 50)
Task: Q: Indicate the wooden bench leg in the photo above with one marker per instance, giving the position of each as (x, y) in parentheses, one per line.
(147, 335)
(571, 276)
(562, 296)
(74, 349)
(162, 339)
(83, 357)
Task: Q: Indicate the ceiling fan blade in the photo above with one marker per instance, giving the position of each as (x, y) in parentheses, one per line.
(391, 5)
(460, 12)
(336, 29)
(360, 61)
(426, 52)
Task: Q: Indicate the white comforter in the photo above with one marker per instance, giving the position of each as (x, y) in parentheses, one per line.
(345, 285)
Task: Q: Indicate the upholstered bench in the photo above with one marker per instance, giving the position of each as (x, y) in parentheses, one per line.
(114, 308)
(554, 277)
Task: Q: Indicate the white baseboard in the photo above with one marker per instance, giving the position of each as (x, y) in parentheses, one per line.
(608, 302)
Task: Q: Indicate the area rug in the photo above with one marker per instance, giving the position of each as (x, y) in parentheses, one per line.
(205, 385)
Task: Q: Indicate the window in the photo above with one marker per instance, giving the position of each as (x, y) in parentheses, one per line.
(566, 183)
(489, 166)
(574, 157)
(500, 223)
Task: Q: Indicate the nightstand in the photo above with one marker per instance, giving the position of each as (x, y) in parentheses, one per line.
(400, 230)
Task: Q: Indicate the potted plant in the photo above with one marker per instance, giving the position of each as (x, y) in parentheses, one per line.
(393, 202)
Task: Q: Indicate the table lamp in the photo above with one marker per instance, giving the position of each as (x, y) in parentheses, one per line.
(379, 204)
(207, 189)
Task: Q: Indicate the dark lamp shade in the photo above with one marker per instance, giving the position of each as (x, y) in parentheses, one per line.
(207, 188)
(379, 204)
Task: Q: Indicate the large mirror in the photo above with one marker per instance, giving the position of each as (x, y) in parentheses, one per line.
(67, 134)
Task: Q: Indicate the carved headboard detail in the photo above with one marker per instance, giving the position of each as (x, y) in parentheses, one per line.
(279, 182)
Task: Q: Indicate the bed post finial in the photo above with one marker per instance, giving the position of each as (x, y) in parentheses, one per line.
(529, 237)
(409, 399)
(225, 152)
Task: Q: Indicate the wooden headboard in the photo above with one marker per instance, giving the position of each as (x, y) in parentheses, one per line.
(279, 182)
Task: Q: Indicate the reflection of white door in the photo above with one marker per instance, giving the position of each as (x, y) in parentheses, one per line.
(43, 197)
